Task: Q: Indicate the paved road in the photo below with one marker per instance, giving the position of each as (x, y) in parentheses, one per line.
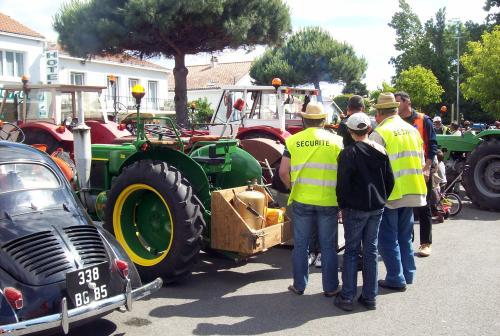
(456, 292)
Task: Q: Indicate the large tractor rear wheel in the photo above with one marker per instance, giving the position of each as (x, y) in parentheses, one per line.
(154, 215)
(482, 175)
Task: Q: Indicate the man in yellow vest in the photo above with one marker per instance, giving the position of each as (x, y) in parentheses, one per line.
(404, 147)
(309, 167)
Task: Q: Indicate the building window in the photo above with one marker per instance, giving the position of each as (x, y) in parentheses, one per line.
(77, 78)
(131, 83)
(114, 90)
(153, 94)
(11, 63)
(19, 64)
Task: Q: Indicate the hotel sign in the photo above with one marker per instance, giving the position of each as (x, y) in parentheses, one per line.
(52, 65)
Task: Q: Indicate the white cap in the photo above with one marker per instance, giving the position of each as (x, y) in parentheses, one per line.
(436, 118)
(358, 121)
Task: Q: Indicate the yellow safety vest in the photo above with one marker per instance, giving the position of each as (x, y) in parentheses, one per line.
(405, 149)
(313, 170)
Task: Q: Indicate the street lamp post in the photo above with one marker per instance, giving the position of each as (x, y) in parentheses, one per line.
(112, 82)
(458, 37)
(138, 93)
(458, 73)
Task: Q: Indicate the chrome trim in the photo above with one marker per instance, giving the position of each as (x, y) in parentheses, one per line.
(128, 296)
(64, 316)
(63, 319)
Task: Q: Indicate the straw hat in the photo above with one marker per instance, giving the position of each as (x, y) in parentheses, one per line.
(314, 111)
(386, 100)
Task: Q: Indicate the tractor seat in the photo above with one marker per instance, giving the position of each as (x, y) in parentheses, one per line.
(125, 139)
(196, 138)
(164, 142)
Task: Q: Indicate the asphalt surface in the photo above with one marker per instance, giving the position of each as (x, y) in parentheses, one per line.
(456, 292)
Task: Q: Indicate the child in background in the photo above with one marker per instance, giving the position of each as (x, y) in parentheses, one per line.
(364, 182)
(438, 184)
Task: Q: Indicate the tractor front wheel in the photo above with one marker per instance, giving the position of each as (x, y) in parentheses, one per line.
(482, 175)
(153, 213)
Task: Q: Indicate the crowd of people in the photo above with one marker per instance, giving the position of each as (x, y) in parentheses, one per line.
(377, 179)
(455, 129)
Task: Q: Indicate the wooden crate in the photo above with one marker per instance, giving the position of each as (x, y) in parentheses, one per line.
(229, 232)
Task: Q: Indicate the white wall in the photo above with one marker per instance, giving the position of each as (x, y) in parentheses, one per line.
(32, 49)
(96, 73)
(213, 95)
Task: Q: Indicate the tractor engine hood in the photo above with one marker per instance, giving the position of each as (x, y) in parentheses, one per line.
(40, 248)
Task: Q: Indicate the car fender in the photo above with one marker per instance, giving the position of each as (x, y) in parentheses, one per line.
(274, 132)
(117, 251)
(7, 313)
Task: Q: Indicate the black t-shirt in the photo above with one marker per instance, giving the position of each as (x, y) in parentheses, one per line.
(343, 131)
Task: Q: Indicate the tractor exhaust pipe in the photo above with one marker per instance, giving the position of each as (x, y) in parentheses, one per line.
(82, 147)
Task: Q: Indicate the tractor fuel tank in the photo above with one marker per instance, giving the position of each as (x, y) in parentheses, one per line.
(243, 167)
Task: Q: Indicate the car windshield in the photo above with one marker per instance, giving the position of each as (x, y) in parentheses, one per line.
(26, 176)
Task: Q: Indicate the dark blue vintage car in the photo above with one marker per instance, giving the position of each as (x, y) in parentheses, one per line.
(57, 268)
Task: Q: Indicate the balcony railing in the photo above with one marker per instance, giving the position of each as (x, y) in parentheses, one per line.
(124, 104)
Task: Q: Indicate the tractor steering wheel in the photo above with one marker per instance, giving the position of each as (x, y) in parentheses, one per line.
(11, 132)
(159, 130)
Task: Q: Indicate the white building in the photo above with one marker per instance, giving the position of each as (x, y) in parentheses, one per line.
(207, 80)
(127, 71)
(20, 51)
(26, 52)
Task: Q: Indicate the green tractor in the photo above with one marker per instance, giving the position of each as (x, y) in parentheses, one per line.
(155, 194)
(478, 157)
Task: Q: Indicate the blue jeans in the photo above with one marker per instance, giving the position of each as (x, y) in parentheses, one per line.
(306, 216)
(396, 247)
(360, 227)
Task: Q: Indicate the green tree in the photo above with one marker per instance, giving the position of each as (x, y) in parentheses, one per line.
(202, 110)
(356, 87)
(421, 84)
(173, 29)
(434, 46)
(493, 18)
(385, 87)
(409, 37)
(483, 77)
(341, 101)
(309, 56)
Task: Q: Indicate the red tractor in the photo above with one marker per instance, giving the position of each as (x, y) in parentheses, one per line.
(47, 113)
(262, 117)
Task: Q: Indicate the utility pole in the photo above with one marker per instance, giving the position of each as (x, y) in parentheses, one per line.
(458, 73)
(458, 37)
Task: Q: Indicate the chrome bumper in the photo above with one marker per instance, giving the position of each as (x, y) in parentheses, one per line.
(63, 319)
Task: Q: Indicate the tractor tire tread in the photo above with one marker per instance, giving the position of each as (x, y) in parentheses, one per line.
(480, 201)
(188, 220)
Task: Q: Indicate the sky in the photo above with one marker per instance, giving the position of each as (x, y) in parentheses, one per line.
(361, 23)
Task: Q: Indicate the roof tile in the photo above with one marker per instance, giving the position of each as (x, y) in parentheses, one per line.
(9, 25)
(208, 76)
(123, 58)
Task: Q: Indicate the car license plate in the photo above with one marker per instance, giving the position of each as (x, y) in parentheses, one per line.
(88, 284)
